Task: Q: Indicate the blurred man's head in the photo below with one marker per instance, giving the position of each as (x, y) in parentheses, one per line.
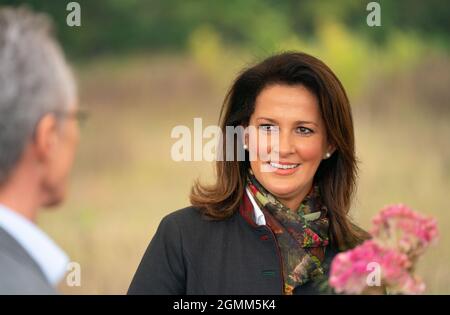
(38, 108)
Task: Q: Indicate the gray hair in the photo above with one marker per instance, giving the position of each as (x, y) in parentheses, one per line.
(34, 80)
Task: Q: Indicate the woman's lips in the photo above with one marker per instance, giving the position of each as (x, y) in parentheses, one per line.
(283, 168)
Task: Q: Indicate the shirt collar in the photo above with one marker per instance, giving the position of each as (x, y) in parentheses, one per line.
(44, 251)
(258, 214)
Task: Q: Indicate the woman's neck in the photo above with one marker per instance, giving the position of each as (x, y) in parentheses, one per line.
(293, 203)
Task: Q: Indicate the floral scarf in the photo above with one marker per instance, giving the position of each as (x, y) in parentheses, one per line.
(302, 236)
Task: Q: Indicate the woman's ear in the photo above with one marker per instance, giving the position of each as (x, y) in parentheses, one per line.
(46, 137)
(329, 152)
(331, 149)
(244, 137)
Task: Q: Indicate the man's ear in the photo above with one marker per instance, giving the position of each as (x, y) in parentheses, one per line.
(45, 138)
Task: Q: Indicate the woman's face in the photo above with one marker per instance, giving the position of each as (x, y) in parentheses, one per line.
(290, 118)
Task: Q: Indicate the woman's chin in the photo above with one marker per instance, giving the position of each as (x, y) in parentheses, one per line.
(281, 186)
(282, 192)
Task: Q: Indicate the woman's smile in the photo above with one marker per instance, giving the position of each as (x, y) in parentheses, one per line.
(282, 168)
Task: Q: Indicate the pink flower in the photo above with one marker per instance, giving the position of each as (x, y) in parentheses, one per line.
(399, 227)
(399, 236)
(350, 270)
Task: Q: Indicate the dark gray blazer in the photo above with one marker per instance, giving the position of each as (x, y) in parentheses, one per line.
(190, 254)
(19, 273)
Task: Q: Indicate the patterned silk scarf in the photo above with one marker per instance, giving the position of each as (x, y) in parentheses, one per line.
(302, 236)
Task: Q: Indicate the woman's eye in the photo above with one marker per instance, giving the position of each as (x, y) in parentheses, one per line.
(268, 128)
(304, 130)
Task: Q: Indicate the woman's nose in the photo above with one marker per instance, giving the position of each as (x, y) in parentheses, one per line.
(283, 144)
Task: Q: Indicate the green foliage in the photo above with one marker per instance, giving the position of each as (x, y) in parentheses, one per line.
(114, 26)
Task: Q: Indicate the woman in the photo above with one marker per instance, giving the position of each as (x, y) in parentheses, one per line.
(268, 225)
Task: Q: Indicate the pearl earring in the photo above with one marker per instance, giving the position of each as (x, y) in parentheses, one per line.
(327, 155)
(245, 147)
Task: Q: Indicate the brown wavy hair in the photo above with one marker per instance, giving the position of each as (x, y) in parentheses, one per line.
(336, 176)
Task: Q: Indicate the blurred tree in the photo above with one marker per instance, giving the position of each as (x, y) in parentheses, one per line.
(114, 26)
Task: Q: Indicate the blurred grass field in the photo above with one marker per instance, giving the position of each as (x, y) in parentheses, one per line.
(124, 180)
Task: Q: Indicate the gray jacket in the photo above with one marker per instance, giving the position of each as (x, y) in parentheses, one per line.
(19, 274)
(190, 254)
